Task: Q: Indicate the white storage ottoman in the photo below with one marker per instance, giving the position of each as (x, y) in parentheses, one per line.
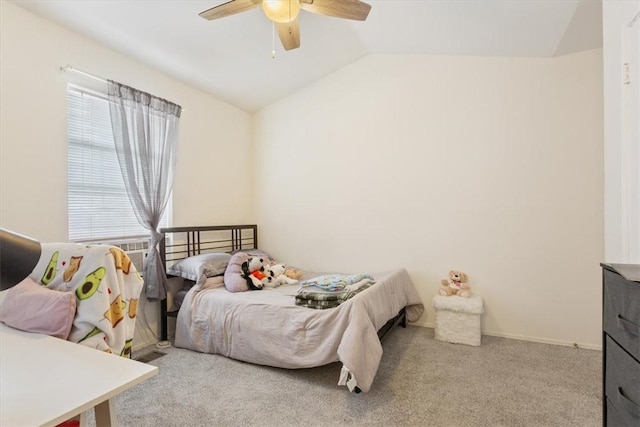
(458, 319)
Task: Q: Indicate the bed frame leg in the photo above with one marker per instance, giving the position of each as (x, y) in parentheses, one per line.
(163, 320)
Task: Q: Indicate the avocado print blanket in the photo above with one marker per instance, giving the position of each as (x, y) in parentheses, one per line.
(107, 287)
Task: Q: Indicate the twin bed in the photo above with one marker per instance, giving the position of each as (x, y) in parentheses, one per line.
(266, 327)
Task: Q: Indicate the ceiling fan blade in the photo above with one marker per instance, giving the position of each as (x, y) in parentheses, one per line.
(230, 8)
(289, 33)
(347, 9)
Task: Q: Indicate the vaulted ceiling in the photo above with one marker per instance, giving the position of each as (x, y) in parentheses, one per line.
(231, 57)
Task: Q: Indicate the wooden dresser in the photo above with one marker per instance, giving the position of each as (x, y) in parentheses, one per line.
(621, 345)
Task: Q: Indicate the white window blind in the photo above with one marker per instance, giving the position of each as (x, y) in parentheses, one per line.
(99, 208)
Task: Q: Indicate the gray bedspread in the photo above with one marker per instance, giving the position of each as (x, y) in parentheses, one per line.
(266, 327)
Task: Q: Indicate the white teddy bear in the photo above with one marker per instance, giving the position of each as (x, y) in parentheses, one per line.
(274, 276)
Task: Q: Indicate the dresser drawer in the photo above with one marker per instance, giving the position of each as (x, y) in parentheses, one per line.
(622, 311)
(615, 418)
(622, 384)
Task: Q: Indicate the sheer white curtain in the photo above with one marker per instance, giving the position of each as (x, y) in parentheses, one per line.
(145, 131)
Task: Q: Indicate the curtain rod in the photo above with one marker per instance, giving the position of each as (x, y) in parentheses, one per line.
(75, 70)
(91, 76)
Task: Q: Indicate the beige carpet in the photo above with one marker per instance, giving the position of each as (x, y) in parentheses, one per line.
(421, 382)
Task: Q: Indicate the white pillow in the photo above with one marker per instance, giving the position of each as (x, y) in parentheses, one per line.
(199, 267)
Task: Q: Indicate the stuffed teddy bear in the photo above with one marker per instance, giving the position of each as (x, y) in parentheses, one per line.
(293, 273)
(455, 285)
(275, 276)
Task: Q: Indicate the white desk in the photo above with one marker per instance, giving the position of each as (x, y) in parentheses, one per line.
(45, 381)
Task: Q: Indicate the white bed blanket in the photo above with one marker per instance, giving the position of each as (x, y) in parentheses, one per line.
(266, 327)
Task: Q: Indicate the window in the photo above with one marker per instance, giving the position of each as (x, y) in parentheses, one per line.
(98, 204)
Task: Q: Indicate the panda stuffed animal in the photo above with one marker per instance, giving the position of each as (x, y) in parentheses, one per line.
(253, 270)
(237, 276)
(274, 276)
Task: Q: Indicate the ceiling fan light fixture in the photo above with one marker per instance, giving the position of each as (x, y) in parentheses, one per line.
(281, 10)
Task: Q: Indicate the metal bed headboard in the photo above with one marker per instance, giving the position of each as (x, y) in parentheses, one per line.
(183, 242)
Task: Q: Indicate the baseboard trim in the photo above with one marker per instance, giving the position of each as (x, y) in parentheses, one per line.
(586, 346)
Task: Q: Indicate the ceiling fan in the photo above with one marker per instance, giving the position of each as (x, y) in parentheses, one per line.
(284, 13)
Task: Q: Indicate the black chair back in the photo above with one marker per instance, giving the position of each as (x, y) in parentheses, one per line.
(18, 257)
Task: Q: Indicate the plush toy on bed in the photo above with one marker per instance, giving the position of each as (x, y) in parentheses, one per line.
(293, 273)
(455, 285)
(275, 276)
(238, 276)
(256, 269)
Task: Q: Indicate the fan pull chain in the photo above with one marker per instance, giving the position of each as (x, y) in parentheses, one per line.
(290, 17)
(273, 40)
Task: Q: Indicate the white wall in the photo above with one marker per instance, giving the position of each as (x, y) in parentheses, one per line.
(488, 165)
(214, 136)
(615, 17)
